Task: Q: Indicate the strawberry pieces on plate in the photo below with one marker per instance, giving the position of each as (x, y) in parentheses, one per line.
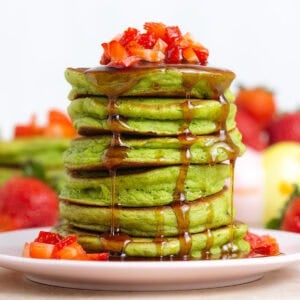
(158, 44)
(51, 245)
(264, 245)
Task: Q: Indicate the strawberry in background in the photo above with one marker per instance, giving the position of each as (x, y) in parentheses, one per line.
(271, 164)
(285, 127)
(58, 125)
(256, 110)
(27, 202)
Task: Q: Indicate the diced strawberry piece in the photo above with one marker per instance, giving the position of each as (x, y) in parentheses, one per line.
(160, 45)
(40, 250)
(157, 29)
(28, 130)
(126, 62)
(98, 256)
(116, 51)
(48, 237)
(59, 130)
(66, 241)
(105, 58)
(130, 34)
(71, 251)
(148, 54)
(26, 250)
(262, 245)
(173, 54)
(189, 55)
(147, 40)
(172, 34)
(202, 54)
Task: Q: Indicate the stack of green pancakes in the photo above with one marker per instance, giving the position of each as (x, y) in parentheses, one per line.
(151, 174)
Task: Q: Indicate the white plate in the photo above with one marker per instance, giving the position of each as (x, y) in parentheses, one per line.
(143, 276)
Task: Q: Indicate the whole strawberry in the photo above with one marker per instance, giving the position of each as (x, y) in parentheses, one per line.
(27, 202)
(285, 127)
(252, 135)
(259, 103)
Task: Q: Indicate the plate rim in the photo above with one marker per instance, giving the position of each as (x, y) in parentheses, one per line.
(60, 272)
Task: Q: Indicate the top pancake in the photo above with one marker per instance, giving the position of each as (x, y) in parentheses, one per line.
(150, 80)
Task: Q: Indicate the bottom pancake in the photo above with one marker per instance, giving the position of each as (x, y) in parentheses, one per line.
(224, 242)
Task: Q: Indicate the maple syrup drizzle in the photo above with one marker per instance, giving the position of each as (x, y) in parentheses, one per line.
(115, 241)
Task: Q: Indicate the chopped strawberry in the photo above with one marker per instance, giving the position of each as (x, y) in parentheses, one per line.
(189, 55)
(59, 125)
(50, 245)
(40, 250)
(116, 51)
(148, 54)
(172, 34)
(29, 130)
(28, 202)
(202, 54)
(68, 240)
(130, 34)
(160, 43)
(71, 251)
(173, 54)
(147, 40)
(48, 237)
(98, 256)
(264, 245)
(285, 127)
(26, 250)
(157, 29)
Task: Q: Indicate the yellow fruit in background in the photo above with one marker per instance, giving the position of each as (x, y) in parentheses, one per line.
(281, 163)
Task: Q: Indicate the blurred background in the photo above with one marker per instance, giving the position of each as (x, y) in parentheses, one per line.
(258, 40)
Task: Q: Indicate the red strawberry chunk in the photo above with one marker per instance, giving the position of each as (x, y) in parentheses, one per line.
(157, 29)
(173, 54)
(202, 54)
(172, 34)
(264, 245)
(129, 35)
(48, 237)
(147, 40)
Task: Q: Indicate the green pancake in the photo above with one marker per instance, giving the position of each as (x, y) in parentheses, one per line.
(145, 187)
(89, 153)
(213, 245)
(213, 211)
(150, 80)
(150, 116)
